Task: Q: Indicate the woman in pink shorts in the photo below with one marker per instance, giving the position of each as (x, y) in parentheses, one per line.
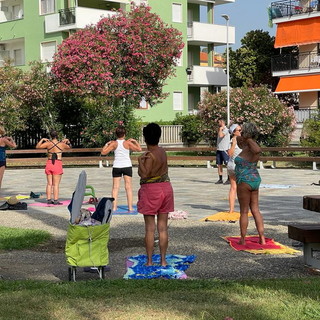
(53, 168)
(155, 194)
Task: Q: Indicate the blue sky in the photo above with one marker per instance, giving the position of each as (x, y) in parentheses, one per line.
(245, 15)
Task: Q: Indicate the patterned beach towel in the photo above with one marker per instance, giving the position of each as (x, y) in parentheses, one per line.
(177, 264)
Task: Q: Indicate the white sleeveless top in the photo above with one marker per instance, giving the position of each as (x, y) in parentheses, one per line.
(121, 156)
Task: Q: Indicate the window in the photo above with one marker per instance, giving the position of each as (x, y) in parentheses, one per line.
(143, 104)
(46, 6)
(17, 12)
(178, 61)
(48, 49)
(18, 58)
(177, 100)
(176, 12)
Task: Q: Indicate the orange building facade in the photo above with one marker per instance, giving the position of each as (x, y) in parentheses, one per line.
(298, 25)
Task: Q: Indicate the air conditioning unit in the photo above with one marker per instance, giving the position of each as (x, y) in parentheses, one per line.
(2, 47)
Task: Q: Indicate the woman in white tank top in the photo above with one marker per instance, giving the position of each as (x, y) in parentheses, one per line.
(122, 165)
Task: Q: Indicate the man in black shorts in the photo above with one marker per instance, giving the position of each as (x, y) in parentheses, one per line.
(223, 141)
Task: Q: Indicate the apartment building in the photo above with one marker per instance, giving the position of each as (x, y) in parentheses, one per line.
(32, 30)
(298, 24)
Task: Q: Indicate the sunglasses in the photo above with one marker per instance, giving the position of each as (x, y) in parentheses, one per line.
(238, 130)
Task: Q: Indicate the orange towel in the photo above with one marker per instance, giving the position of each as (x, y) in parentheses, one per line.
(224, 216)
(253, 246)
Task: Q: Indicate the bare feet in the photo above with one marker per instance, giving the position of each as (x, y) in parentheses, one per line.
(262, 240)
(163, 263)
(242, 241)
(115, 209)
(148, 264)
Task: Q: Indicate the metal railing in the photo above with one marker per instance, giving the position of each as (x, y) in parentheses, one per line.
(305, 114)
(67, 16)
(170, 135)
(289, 8)
(295, 61)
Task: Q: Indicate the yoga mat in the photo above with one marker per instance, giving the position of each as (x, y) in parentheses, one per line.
(44, 204)
(224, 216)
(277, 186)
(177, 264)
(123, 210)
(253, 246)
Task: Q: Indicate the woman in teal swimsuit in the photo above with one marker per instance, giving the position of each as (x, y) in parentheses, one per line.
(248, 180)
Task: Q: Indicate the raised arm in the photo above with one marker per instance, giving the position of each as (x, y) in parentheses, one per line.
(134, 145)
(108, 147)
(233, 146)
(10, 142)
(42, 144)
(66, 144)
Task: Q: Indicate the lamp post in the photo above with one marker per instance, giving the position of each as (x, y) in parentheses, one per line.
(226, 17)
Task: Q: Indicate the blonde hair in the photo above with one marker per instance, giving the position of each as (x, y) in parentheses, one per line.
(2, 131)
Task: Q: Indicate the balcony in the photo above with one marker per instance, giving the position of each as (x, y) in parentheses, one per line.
(305, 114)
(215, 2)
(203, 33)
(289, 8)
(12, 52)
(10, 11)
(206, 76)
(300, 63)
(74, 18)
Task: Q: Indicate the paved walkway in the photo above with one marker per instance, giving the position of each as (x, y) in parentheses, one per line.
(196, 193)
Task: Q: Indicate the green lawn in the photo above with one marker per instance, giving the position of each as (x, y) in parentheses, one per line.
(291, 299)
(18, 239)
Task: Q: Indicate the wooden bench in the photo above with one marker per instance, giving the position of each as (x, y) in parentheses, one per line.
(85, 156)
(308, 234)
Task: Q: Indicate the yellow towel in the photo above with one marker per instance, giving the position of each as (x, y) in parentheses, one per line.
(19, 196)
(224, 216)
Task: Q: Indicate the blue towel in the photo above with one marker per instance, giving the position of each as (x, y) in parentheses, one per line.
(177, 264)
(123, 210)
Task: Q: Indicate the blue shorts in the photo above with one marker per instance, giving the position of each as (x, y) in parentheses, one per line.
(3, 163)
(222, 157)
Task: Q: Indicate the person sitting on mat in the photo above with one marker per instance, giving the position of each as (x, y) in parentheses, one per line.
(4, 142)
(122, 165)
(155, 197)
(53, 168)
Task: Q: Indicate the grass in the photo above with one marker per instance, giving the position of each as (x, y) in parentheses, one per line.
(18, 239)
(278, 299)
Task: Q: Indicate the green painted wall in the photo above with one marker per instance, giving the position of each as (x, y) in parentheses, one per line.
(32, 29)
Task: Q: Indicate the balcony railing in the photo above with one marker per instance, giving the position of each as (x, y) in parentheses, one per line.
(295, 61)
(305, 114)
(289, 8)
(67, 16)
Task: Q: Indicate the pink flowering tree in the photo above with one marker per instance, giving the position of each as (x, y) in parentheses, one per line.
(127, 56)
(274, 119)
(119, 61)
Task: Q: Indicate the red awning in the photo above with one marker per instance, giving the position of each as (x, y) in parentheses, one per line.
(298, 32)
(305, 83)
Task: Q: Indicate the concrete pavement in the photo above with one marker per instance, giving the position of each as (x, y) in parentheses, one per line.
(196, 193)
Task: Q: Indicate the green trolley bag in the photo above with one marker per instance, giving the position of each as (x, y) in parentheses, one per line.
(87, 246)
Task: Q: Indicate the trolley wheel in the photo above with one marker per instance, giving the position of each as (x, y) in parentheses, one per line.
(72, 273)
(101, 272)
